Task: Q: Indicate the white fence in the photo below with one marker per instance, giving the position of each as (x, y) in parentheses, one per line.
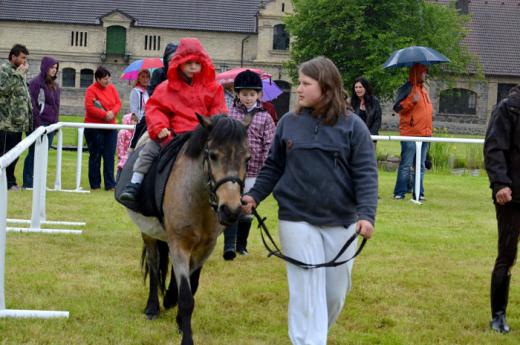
(38, 215)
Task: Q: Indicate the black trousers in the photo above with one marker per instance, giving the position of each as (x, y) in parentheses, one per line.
(8, 140)
(101, 145)
(508, 218)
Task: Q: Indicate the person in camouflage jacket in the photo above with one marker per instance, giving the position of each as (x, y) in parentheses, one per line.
(15, 105)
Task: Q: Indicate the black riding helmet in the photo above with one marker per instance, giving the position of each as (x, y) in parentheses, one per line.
(247, 80)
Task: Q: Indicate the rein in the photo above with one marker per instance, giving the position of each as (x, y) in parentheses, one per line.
(214, 185)
(278, 253)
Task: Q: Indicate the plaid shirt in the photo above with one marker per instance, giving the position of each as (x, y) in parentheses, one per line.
(260, 135)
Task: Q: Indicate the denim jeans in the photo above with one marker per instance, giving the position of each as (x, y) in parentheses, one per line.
(28, 164)
(101, 144)
(403, 172)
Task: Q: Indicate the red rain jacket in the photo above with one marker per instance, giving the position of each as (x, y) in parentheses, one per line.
(107, 97)
(174, 102)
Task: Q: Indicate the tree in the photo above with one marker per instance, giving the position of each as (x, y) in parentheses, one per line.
(359, 35)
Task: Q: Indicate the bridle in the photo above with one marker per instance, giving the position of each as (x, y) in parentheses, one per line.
(213, 185)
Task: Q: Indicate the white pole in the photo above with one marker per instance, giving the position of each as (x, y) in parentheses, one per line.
(3, 236)
(79, 157)
(43, 173)
(49, 222)
(418, 147)
(45, 231)
(37, 190)
(59, 153)
(34, 314)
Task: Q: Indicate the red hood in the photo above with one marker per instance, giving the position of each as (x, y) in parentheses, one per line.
(190, 49)
(415, 72)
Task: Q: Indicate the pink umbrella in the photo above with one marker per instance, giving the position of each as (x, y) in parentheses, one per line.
(228, 77)
(132, 71)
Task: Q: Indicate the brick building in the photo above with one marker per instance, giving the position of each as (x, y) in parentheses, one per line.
(84, 34)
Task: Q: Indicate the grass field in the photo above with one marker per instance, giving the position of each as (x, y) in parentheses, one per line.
(423, 278)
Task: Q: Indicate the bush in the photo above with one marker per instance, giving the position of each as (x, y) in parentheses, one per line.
(440, 156)
(474, 157)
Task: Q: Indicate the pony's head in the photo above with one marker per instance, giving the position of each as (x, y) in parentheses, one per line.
(223, 142)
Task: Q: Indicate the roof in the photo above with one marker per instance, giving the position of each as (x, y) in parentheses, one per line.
(494, 35)
(206, 15)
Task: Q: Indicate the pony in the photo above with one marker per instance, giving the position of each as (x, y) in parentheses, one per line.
(202, 196)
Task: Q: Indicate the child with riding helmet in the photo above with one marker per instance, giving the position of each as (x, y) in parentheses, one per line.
(260, 133)
(322, 171)
(191, 88)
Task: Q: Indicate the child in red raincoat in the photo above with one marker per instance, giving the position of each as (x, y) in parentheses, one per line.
(191, 88)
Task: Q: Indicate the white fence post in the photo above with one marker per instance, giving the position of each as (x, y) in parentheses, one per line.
(3, 233)
(418, 149)
(79, 158)
(37, 184)
(59, 155)
(43, 314)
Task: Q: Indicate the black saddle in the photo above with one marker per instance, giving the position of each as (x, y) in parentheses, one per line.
(151, 195)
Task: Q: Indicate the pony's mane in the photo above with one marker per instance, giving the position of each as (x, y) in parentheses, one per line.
(224, 131)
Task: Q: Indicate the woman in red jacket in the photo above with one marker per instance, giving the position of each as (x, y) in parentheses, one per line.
(102, 103)
(191, 88)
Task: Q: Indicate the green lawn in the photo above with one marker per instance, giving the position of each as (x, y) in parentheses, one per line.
(423, 278)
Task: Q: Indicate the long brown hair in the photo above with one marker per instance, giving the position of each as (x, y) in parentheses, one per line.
(333, 103)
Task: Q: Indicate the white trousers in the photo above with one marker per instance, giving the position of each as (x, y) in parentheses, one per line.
(316, 296)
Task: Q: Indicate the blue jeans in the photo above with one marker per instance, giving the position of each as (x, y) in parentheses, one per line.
(28, 164)
(101, 144)
(403, 172)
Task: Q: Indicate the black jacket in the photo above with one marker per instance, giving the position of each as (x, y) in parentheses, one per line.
(160, 74)
(502, 145)
(373, 115)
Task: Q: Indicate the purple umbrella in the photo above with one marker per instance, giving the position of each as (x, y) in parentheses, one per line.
(270, 90)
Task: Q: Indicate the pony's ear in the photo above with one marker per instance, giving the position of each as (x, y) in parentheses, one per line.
(204, 121)
(247, 120)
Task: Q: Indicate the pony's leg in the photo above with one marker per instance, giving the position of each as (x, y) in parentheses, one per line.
(181, 267)
(171, 296)
(150, 253)
(194, 280)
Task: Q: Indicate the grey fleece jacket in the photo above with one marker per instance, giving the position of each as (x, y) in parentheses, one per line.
(323, 175)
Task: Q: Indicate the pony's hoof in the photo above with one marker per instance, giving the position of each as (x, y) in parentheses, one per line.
(152, 316)
(169, 302)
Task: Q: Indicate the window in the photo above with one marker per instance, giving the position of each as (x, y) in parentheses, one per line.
(78, 38)
(283, 6)
(503, 91)
(68, 77)
(116, 40)
(462, 6)
(224, 68)
(86, 78)
(458, 101)
(152, 42)
(280, 38)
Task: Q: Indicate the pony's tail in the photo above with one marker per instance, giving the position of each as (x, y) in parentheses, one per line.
(162, 253)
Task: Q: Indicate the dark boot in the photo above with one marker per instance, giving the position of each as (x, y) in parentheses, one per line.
(499, 296)
(244, 225)
(130, 192)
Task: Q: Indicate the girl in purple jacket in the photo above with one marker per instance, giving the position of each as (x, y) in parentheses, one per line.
(45, 97)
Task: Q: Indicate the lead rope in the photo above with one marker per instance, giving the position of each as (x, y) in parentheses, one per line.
(278, 253)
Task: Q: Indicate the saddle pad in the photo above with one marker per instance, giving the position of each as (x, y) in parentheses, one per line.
(151, 195)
